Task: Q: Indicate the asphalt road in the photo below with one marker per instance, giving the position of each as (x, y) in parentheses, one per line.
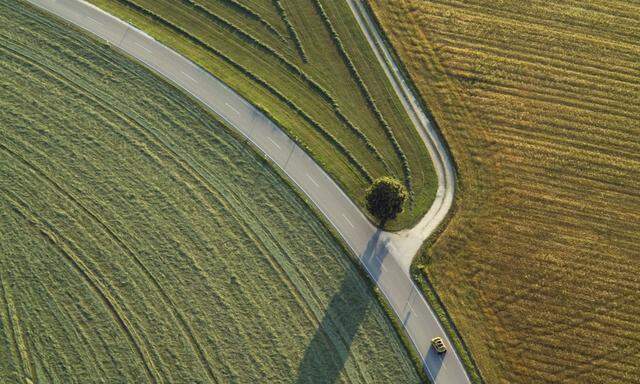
(386, 256)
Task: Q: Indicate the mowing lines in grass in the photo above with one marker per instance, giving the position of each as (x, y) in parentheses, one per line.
(313, 123)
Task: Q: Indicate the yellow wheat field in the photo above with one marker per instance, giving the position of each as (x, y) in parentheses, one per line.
(540, 104)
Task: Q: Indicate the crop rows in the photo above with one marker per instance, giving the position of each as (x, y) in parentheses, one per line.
(540, 105)
(138, 234)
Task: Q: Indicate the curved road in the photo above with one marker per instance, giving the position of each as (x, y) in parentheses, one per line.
(386, 256)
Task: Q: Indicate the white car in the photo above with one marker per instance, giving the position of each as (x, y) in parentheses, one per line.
(438, 345)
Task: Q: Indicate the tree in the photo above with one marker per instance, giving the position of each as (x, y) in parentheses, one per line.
(385, 198)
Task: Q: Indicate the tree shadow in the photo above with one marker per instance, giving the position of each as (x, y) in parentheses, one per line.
(326, 355)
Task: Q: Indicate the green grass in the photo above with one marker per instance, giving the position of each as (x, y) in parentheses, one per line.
(141, 241)
(307, 64)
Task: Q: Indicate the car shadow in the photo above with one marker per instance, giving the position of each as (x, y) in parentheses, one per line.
(433, 361)
(327, 353)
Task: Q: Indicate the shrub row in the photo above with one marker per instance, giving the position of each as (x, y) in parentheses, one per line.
(253, 15)
(326, 134)
(365, 91)
(292, 30)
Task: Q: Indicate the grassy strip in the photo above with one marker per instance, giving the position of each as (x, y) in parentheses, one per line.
(365, 91)
(253, 15)
(298, 141)
(292, 31)
(406, 75)
(313, 85)
(326, 134)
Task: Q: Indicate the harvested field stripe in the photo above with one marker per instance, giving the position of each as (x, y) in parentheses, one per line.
(544, 60)
(588, 65)
(604, 104)
(564, 25)
(534, 23)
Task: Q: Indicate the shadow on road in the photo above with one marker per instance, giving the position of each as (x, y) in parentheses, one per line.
(433, 361)
(326, 355)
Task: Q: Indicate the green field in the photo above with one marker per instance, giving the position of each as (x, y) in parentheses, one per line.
(307, 64)
(539, 102)
(140, 241)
